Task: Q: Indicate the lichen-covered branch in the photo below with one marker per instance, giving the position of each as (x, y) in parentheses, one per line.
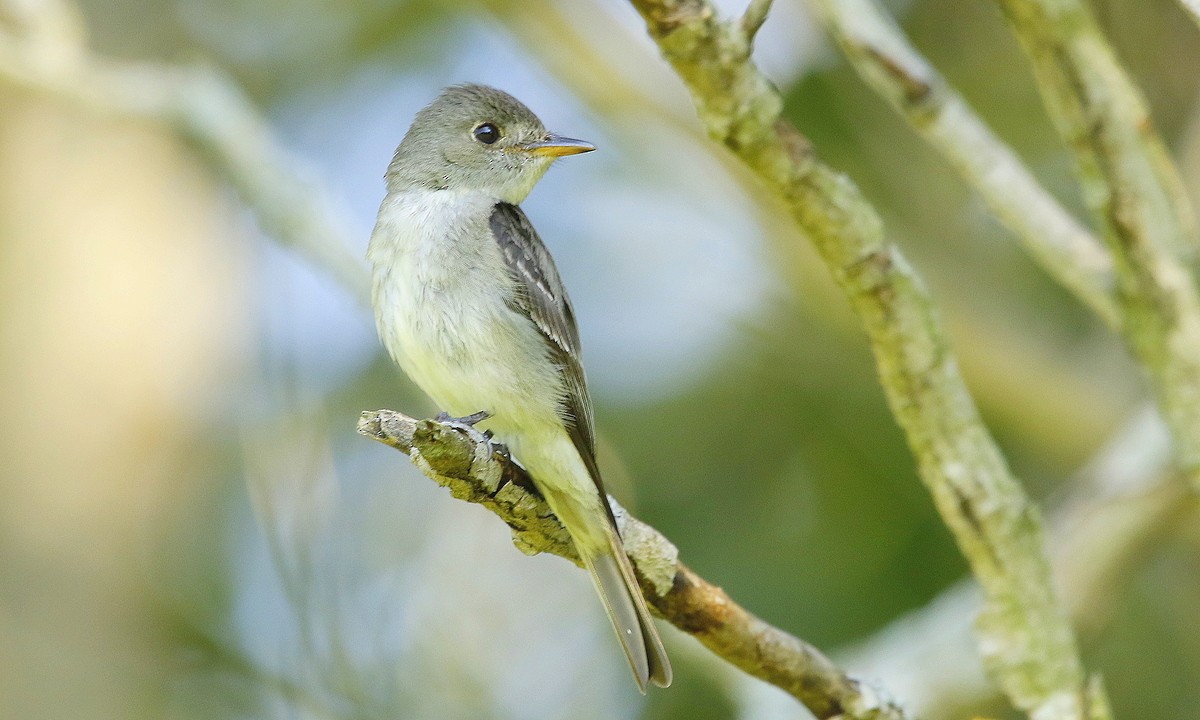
(1027, 643)
(43, 49)
(1134, 189)
(754, 17)
(461, 459)
(884, 58)
(1122, 505)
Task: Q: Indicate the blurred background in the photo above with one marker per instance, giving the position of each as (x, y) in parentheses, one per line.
(190, 527)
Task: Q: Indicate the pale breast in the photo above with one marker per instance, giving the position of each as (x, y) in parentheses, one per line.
(442, 304)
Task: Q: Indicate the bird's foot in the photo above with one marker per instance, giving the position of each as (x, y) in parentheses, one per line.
(469, 420)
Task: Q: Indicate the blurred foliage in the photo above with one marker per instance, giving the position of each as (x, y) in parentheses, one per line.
(776, 467)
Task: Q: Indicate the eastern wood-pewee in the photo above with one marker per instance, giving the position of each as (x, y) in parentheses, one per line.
(469, 303)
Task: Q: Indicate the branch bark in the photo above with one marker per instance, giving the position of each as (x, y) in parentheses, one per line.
(881, 54)
(1027, 643)
(461, 459)
(1134, 189)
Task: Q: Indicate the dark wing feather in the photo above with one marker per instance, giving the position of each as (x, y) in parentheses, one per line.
(542, 296)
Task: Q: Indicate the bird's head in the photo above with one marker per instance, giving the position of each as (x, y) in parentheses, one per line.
(478, 139)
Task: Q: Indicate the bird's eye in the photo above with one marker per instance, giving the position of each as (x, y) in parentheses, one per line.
(487, 133)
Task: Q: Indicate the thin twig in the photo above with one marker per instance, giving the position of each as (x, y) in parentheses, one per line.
(1134, 189)
(462, 459)
(753, 19)
(883, 57)
(1029, 647)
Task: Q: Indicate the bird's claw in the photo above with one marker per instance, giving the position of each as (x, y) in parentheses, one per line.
(500, 449)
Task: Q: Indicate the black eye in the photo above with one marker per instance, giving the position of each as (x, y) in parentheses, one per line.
(487, 133)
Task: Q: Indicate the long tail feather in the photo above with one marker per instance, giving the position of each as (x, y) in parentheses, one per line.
(591, 524)
(630, 617)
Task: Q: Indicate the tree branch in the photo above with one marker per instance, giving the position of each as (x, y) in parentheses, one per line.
(461, 459)
(47, 53)
(1134, 189)
(1027, 644)
(886, 61)
(753, 19)
(1122, 505)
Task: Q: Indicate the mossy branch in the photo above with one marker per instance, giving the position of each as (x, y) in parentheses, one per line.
(883, 57)
(1124, 503)
(1027, 643)
(1136, 194)
(461, 459)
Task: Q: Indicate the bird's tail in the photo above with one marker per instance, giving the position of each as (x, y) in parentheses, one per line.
(603, 554)
(630, 617)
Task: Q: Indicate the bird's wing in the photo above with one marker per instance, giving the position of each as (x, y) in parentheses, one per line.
(543, 298)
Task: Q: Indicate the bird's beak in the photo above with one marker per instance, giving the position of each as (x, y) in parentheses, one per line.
(557, 146)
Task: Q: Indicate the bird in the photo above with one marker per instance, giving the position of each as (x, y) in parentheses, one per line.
(469, 303)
